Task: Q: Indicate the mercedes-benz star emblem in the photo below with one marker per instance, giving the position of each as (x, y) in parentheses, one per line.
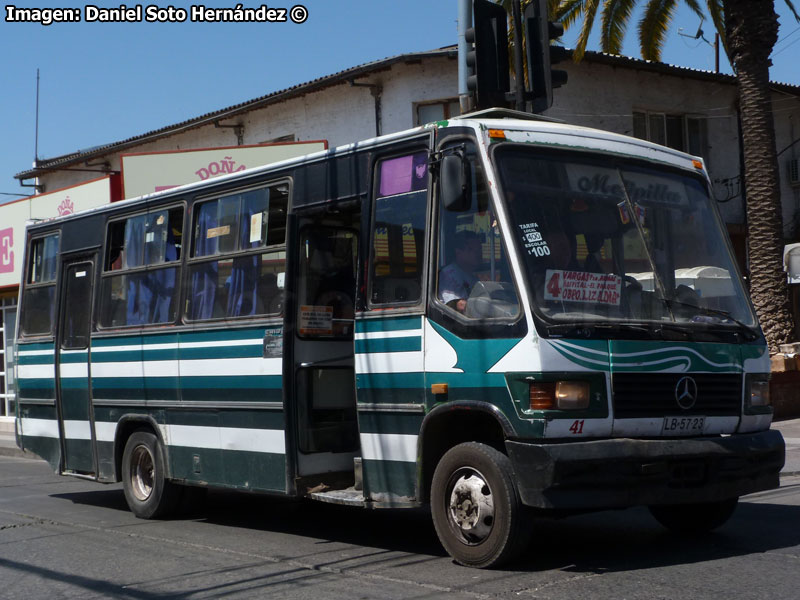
(686, 392)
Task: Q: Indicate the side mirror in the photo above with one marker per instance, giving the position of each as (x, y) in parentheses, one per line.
(455, 183)
(791, 262)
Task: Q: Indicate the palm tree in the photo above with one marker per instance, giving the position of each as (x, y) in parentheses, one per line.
(748, 30)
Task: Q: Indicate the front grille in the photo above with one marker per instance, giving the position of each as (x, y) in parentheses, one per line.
(653, 395)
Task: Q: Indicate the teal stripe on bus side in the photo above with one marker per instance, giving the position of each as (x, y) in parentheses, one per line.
(390, 380)
(112, 342)
(253, 471)
(233, 382)
(392, 395)
(388, 324)
(390, 477)
(36, 389)
(148, 339)
(384, 422)
(33, 346)
(74, 358)
(235, 418)
(403, 344)
(250, 351)
(46, 359)
(100, 356)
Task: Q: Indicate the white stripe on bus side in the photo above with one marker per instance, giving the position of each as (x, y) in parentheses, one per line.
(211, 367)
(215, 438)
(50, 352)
(389, 446)
(225, 438)
(36, 371)
(173, 346)
(74, 370)
(382, 335)
(47, 428)
(390, 362)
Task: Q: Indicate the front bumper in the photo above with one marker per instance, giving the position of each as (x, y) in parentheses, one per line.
(628, 472)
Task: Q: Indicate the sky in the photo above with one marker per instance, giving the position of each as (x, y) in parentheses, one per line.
(104, 82)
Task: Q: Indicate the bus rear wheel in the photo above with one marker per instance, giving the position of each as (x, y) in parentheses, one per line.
(147, 491)
(476, 508)
(694, 518)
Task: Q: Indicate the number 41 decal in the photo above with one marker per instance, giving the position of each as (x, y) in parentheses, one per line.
(577, 427)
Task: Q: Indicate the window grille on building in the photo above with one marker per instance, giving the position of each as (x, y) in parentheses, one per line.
(436, 111)
(683, 132)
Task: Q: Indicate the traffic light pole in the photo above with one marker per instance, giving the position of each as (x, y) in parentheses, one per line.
(519, 65)
(464, 23)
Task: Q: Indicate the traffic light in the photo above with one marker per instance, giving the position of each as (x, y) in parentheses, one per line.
(487, 60)
(541, 55)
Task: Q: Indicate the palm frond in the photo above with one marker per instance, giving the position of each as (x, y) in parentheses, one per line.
(718, 18)
(695, 6)
(567, 12)
(654, 26)
(589, 12)
(792, 8)
(614, 24)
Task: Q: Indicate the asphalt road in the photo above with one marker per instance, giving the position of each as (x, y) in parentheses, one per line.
(68, 538)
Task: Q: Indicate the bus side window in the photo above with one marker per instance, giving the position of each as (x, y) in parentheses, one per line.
(38, 301)
(141, 269)
(398, 232)
(238, 255)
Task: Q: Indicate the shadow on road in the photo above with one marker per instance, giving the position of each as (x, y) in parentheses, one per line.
(608, 541)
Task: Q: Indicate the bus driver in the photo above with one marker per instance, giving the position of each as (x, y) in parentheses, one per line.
(457, 278)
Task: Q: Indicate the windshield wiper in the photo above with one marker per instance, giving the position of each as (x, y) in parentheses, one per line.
(587, 330)
(714, 312)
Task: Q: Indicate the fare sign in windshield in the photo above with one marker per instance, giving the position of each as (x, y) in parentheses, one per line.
(576, 286)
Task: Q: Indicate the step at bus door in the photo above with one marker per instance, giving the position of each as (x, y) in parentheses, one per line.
(321, 396)
(73, 369)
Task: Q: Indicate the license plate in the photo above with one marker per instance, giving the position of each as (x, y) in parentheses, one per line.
(683, 425)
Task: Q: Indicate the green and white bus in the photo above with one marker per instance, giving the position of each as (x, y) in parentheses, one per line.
(495, 315)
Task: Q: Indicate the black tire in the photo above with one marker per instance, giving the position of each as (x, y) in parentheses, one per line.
(697, 518)
(476, 508)
(147, 491)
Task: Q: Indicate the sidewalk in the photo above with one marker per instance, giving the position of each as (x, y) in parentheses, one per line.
(790, 430)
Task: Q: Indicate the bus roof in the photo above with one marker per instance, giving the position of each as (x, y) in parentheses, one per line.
(517, 127)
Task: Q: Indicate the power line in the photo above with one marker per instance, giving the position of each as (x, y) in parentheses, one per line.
(786, 37)
(785, 47)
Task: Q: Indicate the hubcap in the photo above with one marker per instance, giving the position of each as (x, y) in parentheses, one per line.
(471, 508)
(142, 469)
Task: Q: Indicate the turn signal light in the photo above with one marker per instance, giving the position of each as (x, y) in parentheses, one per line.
(543, 395)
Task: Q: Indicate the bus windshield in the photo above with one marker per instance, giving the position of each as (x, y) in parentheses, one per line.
(604, 241)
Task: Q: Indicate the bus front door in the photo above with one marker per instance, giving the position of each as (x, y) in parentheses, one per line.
(321, 396)
(73, 368)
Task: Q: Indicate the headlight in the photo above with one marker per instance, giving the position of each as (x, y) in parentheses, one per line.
(563, 395)
(758, 393)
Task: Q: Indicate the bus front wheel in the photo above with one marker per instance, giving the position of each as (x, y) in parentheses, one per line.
(694, 518)
(147, 491)
(476, 508)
